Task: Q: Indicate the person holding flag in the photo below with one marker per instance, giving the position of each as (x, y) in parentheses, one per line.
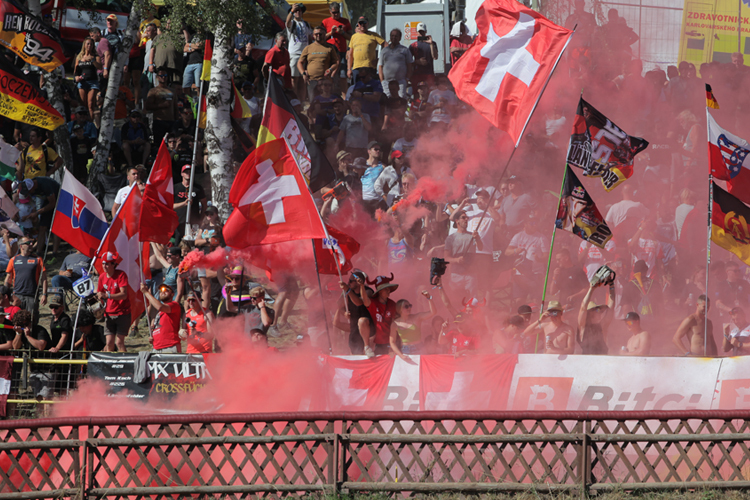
(113, 293)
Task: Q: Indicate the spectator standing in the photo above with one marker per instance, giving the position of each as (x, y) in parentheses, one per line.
(241, 39)
(395, 64)
(37, 159)
(60, 326)
(25, 271)
(166, 56)
(408, 336)
(245, 68)
(594, 321)
(89, 336)
(338, 32)
(194, 48)
(517, 206)
(257, 315)
(166, 325)
(80, 147)
(105, 53)
(559, 337)
(317, 61)
(277, 60)
(198, 321)
(382, 310)
(354, 131)
(132, 175)
(113, 292)
(362, 52)
(639, 343)
(424, 51)
(197, 206)
(370, 197)
(697, 331)
(461, 40)
(9, 247)
(460, 248)
(300, 36)
(162, 102)
(369, 89)
(135, 138)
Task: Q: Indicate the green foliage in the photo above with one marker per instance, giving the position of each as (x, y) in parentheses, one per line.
(367, 8)
(215, 15)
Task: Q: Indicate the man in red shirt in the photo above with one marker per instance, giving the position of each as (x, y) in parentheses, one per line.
(277, 60)
(113, 292)
(382, 310)
(166, 326)
(338, 31)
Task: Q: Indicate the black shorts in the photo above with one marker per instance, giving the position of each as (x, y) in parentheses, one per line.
(45, 220)
(136, 63)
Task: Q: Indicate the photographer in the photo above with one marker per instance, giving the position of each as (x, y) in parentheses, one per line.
(360, 322)
(460, 248)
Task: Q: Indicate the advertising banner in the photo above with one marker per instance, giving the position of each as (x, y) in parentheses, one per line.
(710, 30)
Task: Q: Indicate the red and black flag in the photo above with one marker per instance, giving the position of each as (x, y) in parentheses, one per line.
(711, 101)
(30, 37)
(601, 148)
(22, 101)
(729, 224)
(281, 120)
(578, 214)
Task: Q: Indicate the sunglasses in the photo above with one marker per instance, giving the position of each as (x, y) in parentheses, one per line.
(554, 313)
(55, 306)
(108, 263)
(161, 76)
(25, 243)
(407, 306)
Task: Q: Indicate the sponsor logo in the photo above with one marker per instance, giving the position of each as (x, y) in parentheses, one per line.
(542, 393)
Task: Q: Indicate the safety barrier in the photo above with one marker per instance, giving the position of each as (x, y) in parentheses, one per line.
(288, 453)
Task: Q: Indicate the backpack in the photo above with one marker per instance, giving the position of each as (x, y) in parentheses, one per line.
(115, 42)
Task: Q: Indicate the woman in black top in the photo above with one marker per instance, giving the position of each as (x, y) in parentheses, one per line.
(85, 71)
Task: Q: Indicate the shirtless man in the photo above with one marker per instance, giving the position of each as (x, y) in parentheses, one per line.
(692, 329)
(737, 334)
(559, 336)
(639, 344)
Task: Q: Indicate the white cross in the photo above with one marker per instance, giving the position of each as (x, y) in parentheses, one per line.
(349, 397)
(460, 396)
(508, 54)
(269, 191)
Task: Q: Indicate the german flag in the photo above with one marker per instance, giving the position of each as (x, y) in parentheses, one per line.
(280, 120)
(729, 224)
(21, 100)
(29, 37)
(207, 54)
(711, 101)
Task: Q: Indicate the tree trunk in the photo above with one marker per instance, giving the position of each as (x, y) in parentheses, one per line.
(218, 134)
(53, 87)
(107, 126)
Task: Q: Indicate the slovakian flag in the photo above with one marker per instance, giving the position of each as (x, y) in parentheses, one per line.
(504, 72)
(22, 101)
(79, 219)
(271, 201)
(8, 156)
(281, 120)
(577, 212)
(158, 219)
(728, 159)
(601, 148)
(29, 37)
(122, 238)
(6, 364)
(729, 224)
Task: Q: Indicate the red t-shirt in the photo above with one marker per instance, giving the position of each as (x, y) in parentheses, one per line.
(113, 285)
(11, 311)
(338, 40)
(167, 327)
(460, 342)
(198, 340)
(279, 61)
(382, 315)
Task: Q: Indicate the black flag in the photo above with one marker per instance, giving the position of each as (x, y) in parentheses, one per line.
(578, 214)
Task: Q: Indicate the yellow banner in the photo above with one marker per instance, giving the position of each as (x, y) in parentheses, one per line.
(710, 31)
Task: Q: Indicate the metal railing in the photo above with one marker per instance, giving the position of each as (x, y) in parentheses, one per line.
(289, 453)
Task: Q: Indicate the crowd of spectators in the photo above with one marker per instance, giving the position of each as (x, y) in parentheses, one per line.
(367, 102)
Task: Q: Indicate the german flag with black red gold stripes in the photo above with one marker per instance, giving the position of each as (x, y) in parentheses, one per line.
(729, 224)
(22, 101)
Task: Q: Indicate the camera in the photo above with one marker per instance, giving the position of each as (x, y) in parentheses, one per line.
(438, 267)
(421, 38)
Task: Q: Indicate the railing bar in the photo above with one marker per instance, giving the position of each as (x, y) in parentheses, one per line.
(187, 490)
(30, 495)
(459, 487)
(685, 485)
(452, 438)
(63, 444)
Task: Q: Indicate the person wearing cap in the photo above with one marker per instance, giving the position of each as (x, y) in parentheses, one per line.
(24, 272)
(370, 196)
(525, 311)
(594, 320)
(88, 335)
(60, 326)
(395, 63)
(112, 290)
(639, 343)
(135, 138)
(82, 118)
(198, 321)
(369, 89)
(517, 206)
(382, 310)
(37, 159)
(559, 337)
(360, 322)
(162, 102)
(424, 51)
(300, 35)
(277, 60)
(256, 313)
(197, 206)
(338, 32)
(318, 62)
(354, 130)
(737, 333)
(697, 331)
(363, 46)
(165, 328)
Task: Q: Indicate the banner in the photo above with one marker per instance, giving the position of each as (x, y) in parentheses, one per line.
(30, 37)
(709, 31)
(6, 365)
(601, 148)
(578, 214)
(21, 100)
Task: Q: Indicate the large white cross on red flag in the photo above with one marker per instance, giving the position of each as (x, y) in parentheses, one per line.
(271, 200)
(504, 71)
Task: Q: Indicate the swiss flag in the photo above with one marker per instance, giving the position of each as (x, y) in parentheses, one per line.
(504, 71)
(480, 382)
(122, 238)
(356, 384)
(729, 159)
(158, 220)
(271, 200)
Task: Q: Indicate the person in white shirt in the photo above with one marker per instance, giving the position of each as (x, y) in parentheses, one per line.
(300, 36)
(737, 333)
(122, 194)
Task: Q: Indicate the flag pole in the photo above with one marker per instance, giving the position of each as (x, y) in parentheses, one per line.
(143, 280)
(708, 235)
(188, 229)
(322, 299)
(46, 247)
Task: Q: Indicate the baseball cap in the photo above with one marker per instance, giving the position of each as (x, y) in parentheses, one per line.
(342, 154)
(77, 126)
(185, 167)
(373, 144)
(247, 84)
(175, 251)
(736, 310)
(81, 109)
(295, 102)
(111, 17)
(396, 154)
(359, 163)
(421, 27)
(55, 300)
(110, 257)
(362, 19)
(23, 187)
(135, 112)
(632, 316)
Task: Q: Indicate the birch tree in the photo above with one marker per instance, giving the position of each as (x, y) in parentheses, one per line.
(106, 129)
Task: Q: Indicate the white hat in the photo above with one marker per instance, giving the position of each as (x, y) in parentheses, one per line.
(421, 27)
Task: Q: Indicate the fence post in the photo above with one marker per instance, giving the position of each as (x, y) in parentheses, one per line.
(586, 459)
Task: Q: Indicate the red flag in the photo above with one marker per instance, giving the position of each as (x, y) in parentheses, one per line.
(6, 364)
(122, 238)
(271, 200)
(480, 382)
(343, 246)
(158, 220)
(728, 158)
(356, 384)
(504, 71)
